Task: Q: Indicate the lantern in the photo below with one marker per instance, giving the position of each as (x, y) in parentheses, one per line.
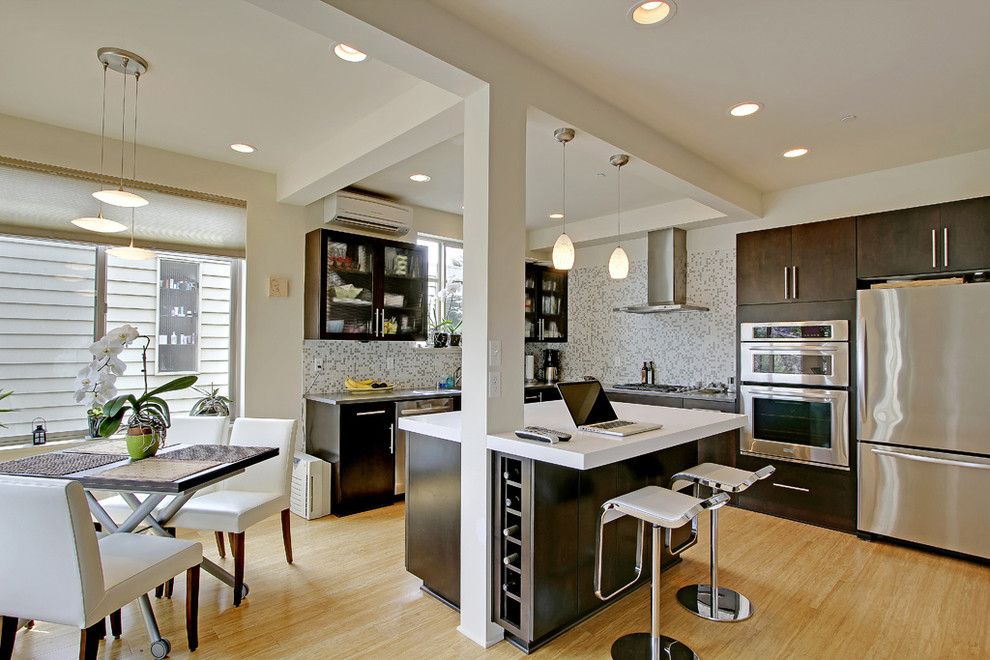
(40, 434)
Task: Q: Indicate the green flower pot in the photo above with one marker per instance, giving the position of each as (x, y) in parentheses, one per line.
(141, 443)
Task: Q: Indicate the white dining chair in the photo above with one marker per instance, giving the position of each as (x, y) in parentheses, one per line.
(262, 490)
(54, 568)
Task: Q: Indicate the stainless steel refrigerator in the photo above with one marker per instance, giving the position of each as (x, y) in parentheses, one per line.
(924, 415)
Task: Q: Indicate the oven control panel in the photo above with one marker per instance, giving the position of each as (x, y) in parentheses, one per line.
(796, 331)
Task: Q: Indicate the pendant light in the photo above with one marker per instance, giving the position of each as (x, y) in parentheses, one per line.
(99, 223)
(129, 64)
(563, 249)
(130, 252)
(618, 263)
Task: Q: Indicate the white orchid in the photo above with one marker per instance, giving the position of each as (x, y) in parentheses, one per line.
(106, 347)
(104, 392)
(96, 382)
(123, 335)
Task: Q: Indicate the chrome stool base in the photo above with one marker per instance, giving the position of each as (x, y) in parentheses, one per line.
(732, 605)
(639, 646)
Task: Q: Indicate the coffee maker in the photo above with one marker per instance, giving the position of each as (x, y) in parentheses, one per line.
(551, 365)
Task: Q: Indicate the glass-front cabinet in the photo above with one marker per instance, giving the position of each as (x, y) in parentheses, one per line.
(545, 304)
(178, 316)
(364, 288)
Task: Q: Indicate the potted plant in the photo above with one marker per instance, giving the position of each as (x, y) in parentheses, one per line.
(438, 326)
(4, 395)
(96, 382)
(455, 333)
(212, 404)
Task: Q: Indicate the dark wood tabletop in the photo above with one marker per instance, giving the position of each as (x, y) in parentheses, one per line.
(234, 463)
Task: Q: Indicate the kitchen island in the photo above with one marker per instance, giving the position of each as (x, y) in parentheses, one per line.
(545, 504)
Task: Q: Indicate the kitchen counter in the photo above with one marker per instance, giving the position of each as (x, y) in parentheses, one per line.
(339, 398)
(588, 450)
(728, 397)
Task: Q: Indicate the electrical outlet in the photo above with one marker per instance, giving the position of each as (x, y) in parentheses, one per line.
(616, 361)
(494, 385)
(494, 353)
(390, 363)
(317, 364)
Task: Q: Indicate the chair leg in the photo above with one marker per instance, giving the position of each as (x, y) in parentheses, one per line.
(89, 642)
(286, 536)
(170, 585)
(8, 629)
(101, 628)
(192, 607)
(115, 624)
(159, 591)
(221, 550)
(237, 549)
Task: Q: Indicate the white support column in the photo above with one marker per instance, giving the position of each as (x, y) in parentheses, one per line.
(492, 398)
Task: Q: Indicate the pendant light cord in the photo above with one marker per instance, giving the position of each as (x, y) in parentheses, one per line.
(618, 204)
(123, 117)
(563, 185)
(137, 79)
(103, 123)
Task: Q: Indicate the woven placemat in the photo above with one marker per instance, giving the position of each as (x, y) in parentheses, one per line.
(111, 447)
(56, 464)
(157, 469)
(221, 453)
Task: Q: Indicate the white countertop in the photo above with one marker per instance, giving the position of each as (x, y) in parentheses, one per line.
(588, 450)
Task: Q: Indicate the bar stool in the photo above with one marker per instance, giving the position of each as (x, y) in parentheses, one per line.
(728, 605)
(663, 509)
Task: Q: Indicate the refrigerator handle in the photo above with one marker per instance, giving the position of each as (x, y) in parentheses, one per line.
(861, 376)
(930, 459)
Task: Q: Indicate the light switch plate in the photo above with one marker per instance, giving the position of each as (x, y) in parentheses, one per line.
(494, 385)
(390, 362)
(616, 361)
(278, 287)
(494, 353)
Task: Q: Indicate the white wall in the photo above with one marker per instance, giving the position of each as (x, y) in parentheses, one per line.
(274, 247)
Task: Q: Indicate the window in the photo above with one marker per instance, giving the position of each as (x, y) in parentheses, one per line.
(446, 261)
(50, 314)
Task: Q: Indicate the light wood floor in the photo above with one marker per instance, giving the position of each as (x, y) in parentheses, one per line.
(818, 594)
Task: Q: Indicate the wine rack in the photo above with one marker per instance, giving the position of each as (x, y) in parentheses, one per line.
(513, 563)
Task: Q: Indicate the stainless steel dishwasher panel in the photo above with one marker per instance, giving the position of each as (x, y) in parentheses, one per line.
(411, 409)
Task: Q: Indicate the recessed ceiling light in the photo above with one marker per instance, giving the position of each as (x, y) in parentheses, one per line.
(349, 53)
(848, 118)
(745, 109)
(556, 216)
(242, 148)
(797, 152)
(652, 13)
(420, 178)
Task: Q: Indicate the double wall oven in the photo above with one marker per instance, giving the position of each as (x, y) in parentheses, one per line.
(795, 391)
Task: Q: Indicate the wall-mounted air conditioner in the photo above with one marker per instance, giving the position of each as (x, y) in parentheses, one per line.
(349, 209)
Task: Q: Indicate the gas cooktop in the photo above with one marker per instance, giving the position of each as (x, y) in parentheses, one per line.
(644, 387)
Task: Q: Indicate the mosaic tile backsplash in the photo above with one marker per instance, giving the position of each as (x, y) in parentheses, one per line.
(686, 346)
(410, 367)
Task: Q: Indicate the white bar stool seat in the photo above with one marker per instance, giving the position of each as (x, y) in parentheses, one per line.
(710, 601)
(665, 510)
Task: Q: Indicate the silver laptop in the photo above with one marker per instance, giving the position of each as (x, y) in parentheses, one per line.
(591, 410)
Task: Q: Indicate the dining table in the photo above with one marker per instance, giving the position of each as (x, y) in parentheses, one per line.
(155, 488)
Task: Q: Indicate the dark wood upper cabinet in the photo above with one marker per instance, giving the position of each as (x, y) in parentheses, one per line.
(893, 243)
(823, 256)
(762, 259)
(546, 304)
(965, 235)
(800, 263)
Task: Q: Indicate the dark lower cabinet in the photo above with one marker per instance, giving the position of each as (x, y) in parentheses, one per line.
(358, 440)
(805, 493)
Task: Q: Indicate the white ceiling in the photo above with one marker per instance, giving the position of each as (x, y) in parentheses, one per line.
(913, 72)
(589, 195)
(221, 71)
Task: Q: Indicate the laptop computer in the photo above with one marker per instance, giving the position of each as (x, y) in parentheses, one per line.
(591, 410)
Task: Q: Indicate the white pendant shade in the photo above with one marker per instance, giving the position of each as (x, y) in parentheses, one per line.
(618, 264)
(100, 224)
(563, 253)
(121, 198)
(132, 253)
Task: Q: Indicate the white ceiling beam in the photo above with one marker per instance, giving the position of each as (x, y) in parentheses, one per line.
(445, 38)
(413, 121)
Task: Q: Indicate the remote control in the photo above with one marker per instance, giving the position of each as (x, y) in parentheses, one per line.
(541, 434)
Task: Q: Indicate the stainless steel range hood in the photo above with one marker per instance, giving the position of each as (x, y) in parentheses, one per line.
(666, 275)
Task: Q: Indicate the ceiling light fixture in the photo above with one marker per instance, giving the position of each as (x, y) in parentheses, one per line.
(745, 109)
(556, 216)
(563, 248)
(128, 64)
(348, 53)
(652, 13)
(99, 223)
(243, 148)
(796, 152)
(420, 178)
(618, 263)
(130, 252)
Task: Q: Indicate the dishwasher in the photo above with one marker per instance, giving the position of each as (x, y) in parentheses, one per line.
(411, 409)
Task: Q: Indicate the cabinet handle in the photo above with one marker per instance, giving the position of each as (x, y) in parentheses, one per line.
(945, 247)
(798, 488)
(794, 289)
(391, 439)
(369, 412)
(934, 248)
(381, 322)
(532, 397)
(786, 283)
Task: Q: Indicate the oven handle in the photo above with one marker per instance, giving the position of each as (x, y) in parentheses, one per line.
(784, 396)
(829, 347)
(931, 459)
